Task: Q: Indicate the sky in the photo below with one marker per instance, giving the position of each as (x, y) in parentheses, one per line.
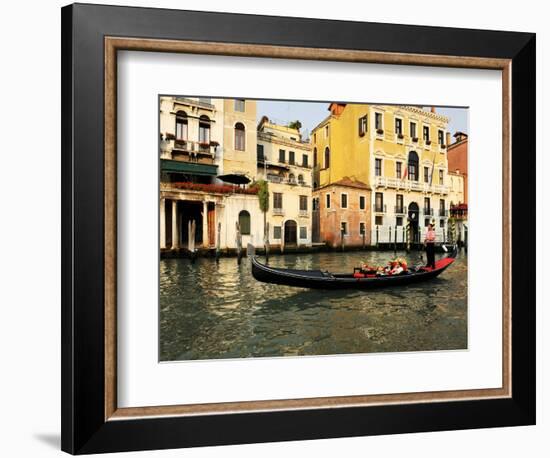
(312, 113)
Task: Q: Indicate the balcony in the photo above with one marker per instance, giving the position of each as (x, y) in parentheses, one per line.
(193, 151)
(428, 212)
(274, 178)
(278, 212)
(443, 212)
(379, 208)
(409, 185)
(303, 213)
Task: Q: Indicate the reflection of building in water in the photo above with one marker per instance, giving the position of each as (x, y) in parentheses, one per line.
(284, 161)
(195, 135)
(377, 168)
(458, 197)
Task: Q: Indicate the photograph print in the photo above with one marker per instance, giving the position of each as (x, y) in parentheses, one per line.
(297, 228)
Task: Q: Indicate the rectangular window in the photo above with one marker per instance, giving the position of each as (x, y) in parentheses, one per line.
(277, 232)
(426, 133)
(399, 221)
(378, 121)
(412, 127)
(426, 174)
(440, 176)
(291, 157)
(260, 153)
(378, 167)
(239, 105)
(441, 223)
(398, 170)
(427, 208)
(362, 125)
(303, 203)
(344, 200)
(426, 222)
(328, 200)
(304, 160)
(239, 137)
(204, 133)
(326, 131)
(315, 137)
(181, 129)
(303, 232)
(399, 203)
(344, 227)
(379, 202)
(398, 126)
(440, 137)
(378, 220)
(361, 228)
(315, 203)
(281, 155)
(362, 202)
(277, 200)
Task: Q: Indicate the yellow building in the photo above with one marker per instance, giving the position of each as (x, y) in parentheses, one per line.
(239, 138)
(284, 160)
(394, 157)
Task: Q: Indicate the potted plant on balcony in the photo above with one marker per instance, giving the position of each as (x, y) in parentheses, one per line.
(379, 131)
(215, 144)
(400, 136)
(169, 136)
(415, 139)
(428, 142)
(204, 146)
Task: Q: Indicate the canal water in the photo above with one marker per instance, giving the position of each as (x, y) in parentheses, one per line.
(210, 311)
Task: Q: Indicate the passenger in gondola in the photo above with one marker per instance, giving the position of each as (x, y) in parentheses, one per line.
(429, 243)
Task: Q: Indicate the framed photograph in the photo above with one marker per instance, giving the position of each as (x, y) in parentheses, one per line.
(284, 228)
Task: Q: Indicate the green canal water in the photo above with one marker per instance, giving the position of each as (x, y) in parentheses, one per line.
(211, 311)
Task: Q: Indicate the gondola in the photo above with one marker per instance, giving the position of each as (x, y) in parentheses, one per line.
(319, 279)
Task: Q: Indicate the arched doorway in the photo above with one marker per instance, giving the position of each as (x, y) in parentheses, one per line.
(413, 214)
(291, 232)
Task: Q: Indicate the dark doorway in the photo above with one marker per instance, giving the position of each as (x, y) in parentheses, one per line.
(290, 232)
(413, 220)
(189, 211)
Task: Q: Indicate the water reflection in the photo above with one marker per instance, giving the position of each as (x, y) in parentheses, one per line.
(210, 310)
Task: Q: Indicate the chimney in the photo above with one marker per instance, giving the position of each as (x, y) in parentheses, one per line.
(448, 138)
(432, 109)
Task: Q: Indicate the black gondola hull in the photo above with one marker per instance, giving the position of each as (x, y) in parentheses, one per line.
(317, 279)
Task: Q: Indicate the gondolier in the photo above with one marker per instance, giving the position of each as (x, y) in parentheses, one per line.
(429, 243)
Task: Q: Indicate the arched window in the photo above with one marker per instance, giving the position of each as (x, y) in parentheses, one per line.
(413, 166)
(204, 129)
(244, 222)
(181, 125)
(291, 178)
(327, 158)
(301, 179)
(314, 157)
(239, 137)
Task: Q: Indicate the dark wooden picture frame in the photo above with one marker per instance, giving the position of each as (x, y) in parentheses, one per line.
(91, 37)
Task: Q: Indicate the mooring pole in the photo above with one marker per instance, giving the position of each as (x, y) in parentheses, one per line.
(266, 242)
(218, 242)
(239, 243)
